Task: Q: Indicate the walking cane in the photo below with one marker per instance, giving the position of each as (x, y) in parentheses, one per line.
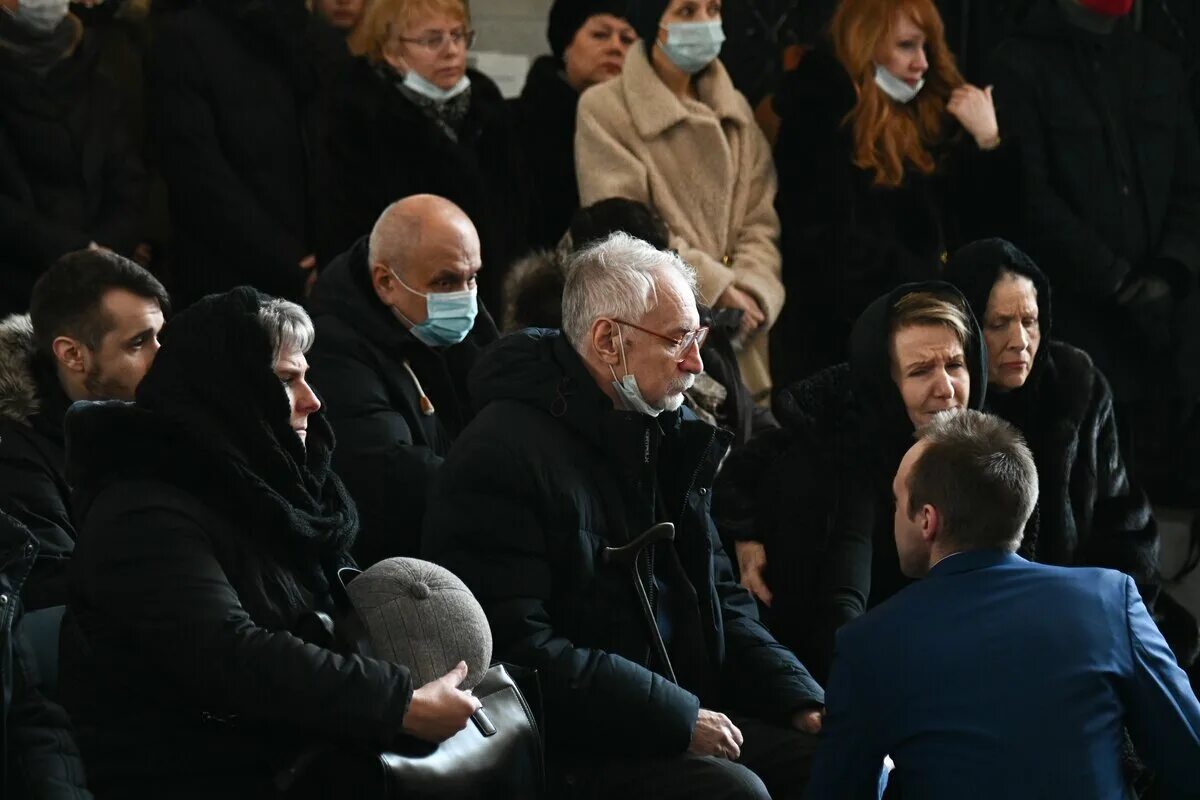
(627, 555)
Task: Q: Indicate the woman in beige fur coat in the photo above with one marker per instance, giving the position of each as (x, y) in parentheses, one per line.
(672, 132)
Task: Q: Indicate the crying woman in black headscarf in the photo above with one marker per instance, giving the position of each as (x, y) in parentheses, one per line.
(1089, 512)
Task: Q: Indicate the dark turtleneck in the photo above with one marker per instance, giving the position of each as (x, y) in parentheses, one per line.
(1085, 19)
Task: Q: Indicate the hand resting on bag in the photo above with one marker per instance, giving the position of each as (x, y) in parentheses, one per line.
(439, 709)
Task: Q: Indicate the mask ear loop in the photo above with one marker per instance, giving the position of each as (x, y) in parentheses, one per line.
(624, 366)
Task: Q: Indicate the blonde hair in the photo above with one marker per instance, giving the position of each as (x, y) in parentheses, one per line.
(385, 19)
(888, 136)
(927, 308)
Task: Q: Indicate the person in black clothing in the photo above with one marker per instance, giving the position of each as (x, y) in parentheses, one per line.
(808, 508)
(400, 328)
(232, 85)
(212, 527)
(588, 40)
(408, 117)
(38, 755)
(534, 295)
(887, 159)
(1089, 512)
(1110, 159)
(581, 444)
(69, 176)
(91, 335)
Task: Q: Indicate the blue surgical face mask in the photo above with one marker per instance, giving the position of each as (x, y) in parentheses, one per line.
(895, 88)
(431, 90)
(449, 316)
(692, 46)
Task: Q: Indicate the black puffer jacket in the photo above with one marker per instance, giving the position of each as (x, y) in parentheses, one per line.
(209, 533)
(231, 87)
(388, 449)
(33, 486)
(69, 174)
(377, 146)
(846, 241)
(844, 433)
(38, 756)
(1088, 511)
(546, 476)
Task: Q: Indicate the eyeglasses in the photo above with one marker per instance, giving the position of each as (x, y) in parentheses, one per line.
(434, 42)
(680, 347)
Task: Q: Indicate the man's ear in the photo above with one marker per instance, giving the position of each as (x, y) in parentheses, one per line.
(382, 280)
(931, 523)
(605, 341)
(70, 354)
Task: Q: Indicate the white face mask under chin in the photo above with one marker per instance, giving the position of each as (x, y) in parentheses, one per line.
(627, 387)
(895, 88)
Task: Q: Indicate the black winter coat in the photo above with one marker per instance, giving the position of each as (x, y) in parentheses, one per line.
(846, 241)
(377, 147)
(388, 449)
(844, 432)
(33, 486)
(546, 476)
(38, 756)
(69, 174)
(209, 535)
(231, 90)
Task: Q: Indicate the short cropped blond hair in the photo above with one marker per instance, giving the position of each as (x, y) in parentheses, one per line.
(385, 19)
(928, 308)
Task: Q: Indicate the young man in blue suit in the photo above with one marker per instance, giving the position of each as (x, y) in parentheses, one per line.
(995, 677)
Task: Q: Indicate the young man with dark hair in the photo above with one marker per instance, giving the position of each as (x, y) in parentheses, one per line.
(91, 334)
(993, 677)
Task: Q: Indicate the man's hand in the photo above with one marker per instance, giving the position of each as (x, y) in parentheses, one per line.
(809, 720)
(752, 314)
(439, 709)
(715, 735)
(309, 263)
(752, 560)
(975, 111)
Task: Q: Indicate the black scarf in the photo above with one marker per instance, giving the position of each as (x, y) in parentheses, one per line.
(447, 115)
(213, 383)
(35, 52)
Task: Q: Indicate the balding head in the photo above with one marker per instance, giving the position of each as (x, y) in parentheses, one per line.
(423, 244)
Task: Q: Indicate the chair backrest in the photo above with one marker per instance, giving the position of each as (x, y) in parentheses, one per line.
(40, 628)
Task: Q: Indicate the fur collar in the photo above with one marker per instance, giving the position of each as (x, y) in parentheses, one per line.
(18, 389)
(654, 109)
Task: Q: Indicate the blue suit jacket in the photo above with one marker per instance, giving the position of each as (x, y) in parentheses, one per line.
(998, 678)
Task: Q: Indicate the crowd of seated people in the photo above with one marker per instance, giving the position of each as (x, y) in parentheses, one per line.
(770, 463)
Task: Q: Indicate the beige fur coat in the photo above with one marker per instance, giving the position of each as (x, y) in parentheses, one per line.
(705, 167)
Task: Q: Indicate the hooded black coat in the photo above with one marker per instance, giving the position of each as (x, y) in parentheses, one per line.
(231, 87)
(33, 484)
(388, 449)
(377, 146)
(545, 119)
(546, 476)
(818, 492)
(1088, 512)
(210, 532)
(1110, 163)
(846, 241)
(69, 174)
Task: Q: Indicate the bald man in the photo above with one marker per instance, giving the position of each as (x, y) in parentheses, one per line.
(399, 326)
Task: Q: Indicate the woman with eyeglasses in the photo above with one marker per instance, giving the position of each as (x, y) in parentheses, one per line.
(672, 132)
(409, 117)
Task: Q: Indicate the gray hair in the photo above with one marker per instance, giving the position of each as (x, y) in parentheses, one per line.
(979, 474)
(288, 327)
(615, 278)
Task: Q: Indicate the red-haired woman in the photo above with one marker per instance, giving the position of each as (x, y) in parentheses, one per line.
(887, 158)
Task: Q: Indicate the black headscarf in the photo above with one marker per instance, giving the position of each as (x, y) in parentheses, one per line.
(644, 16)
(213, 382)
(974, 269)
(883, 420)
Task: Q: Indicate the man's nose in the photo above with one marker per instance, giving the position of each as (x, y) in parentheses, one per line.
(692, 362)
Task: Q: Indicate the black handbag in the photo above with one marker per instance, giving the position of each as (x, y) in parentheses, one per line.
(499, 755)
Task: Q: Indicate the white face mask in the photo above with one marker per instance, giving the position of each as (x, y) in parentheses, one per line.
(40, 17)
(627, 387)
(895, 88)
(431, 90)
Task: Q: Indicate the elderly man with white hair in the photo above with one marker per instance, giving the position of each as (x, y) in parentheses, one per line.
(658, 677)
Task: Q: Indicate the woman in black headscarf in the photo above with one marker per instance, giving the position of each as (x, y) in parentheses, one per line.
(809, 507)
(212, 529)
(1088, 512)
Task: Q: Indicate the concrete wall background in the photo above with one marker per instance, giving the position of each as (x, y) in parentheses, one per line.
(511, 26)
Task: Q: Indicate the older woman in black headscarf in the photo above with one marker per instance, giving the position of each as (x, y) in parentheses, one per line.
(1088, 510)
(212, 528)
